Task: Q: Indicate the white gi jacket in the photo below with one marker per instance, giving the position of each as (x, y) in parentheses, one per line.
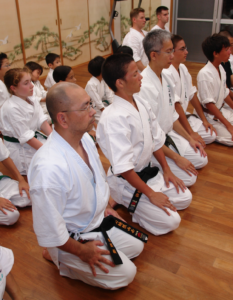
(212, 89)
(133, 39)
(128, 139)
(20, 120)
(157, 27)
(6, 264)
(98, 91)
(4, 94)
(185, 91)
(75, 197)
(40, 93)
(49, 81)
(162, 98)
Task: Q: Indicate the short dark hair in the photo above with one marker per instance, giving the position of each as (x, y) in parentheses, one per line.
(135, 12)
(125, 49)
(115, 67)
(32, 65)
(50, 58)
(176, 39)
(226, 33)
(160, 8)
(95, 65)
(2, 57)
(214, 43)
(60, 73)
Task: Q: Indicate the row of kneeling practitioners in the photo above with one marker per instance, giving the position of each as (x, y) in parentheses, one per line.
(137, 114)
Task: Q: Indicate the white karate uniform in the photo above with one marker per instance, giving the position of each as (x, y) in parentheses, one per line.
(128, 139)
(20, 120)
(75, 198)
(157, 27)
(98, 91)
(9, 189)
(49, 81)
(133, 39)
(162, 99)
(212, 89)
(6, 264)
(4, 94)
(185, 91)
(40, 93)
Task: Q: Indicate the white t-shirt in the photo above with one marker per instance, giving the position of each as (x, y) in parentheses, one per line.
(157, 27)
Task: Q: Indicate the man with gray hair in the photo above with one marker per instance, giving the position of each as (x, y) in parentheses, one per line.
(68, 187)
(183, 153)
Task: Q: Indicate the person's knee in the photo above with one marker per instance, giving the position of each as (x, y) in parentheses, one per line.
(210, 138)
(137, 248)
(11, 217)
(201, 161)
(128, 272)
(186, 199)
(190, 180)
(174, 221)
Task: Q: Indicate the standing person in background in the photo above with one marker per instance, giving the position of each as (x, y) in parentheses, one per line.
(52, 60)
(134, 37)
(162, 14)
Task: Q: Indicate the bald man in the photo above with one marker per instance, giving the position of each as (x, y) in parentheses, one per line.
(84, 236)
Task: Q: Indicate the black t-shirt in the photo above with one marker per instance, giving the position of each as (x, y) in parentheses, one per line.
(227, 68)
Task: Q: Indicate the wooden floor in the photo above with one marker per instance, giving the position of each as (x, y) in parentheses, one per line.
(194, 262)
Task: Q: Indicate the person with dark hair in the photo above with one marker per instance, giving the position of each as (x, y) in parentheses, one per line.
(64, 73)
(52, 60)
(182, 152)
(134, 37)
(124, 50)
(21, 118)
(129, 134)
(4, 67)
(198, 128)
(162, 14)
(97, 89)
(87, 239)
(38, 90)
(212, 90)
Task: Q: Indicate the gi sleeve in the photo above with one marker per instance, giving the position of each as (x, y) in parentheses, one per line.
(4, 152)
(6, 260)
(109, 93)
(205, 92)
(113, 136)
(43, 92)
(93, 93)
(42, 116)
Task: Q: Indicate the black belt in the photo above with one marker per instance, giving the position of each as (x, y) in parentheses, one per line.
(14, 140)
(191, 115)
(106, 225)
(169, 141)
(146, 174)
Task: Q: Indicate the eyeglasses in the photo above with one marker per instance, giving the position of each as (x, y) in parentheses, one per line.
(168, 53)
(88, 108)
(182, 49)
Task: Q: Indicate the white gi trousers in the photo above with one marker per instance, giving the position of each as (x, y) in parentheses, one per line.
(148, 215)
(9, 189)
(119, 276)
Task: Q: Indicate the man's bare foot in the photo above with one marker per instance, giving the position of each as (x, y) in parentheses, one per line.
(46, 255)
(112, 202)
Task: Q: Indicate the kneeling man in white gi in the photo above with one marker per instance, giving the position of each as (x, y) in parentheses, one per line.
(70, 197)
(183, 153)
(198, 128)
(129, 135)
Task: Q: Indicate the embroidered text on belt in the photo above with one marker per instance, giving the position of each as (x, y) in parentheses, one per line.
(146, 174)
(107, 224)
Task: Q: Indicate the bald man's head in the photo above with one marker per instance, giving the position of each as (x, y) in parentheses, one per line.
(58, 99)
